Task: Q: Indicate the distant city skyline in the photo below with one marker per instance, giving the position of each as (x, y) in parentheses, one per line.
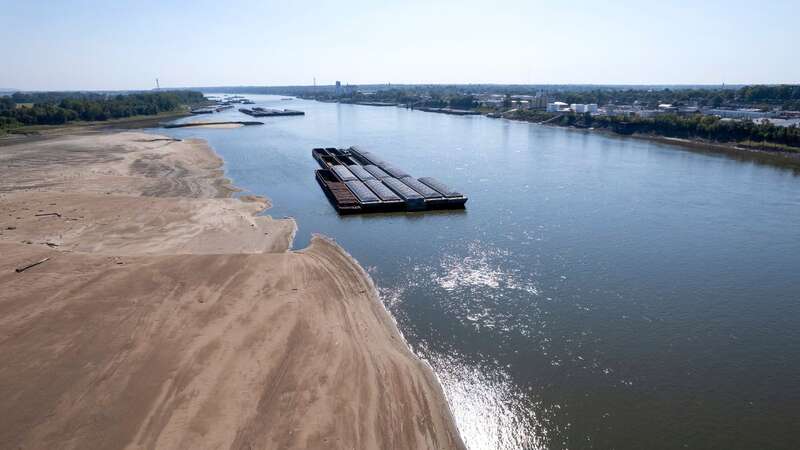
(91, 45)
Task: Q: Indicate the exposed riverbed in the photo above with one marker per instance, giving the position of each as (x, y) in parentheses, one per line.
(598, 291)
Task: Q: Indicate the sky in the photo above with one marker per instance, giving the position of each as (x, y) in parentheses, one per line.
(126, 44)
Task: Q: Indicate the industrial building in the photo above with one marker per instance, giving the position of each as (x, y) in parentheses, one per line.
(557, 107)
(581, 108)
(742, 113)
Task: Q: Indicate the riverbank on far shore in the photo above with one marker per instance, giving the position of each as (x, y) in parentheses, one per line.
(733, 150)
(774, 157)
(32, 133)
(758, 153)
(166, 314)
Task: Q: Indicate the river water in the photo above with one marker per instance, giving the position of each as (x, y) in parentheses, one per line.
(598, 292)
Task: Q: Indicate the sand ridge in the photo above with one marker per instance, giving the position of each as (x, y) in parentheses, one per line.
(171, 315)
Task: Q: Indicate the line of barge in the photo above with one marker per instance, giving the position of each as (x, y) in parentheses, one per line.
(357, 181)
(268, 112)
(201, 124)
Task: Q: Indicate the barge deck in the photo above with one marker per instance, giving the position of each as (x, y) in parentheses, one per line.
(357, 181)
(337, 192)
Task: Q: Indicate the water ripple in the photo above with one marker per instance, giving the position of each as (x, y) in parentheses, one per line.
(491, 413)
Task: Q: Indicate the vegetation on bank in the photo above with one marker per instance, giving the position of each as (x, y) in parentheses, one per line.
(58, 108)
(402, 97)
(786, 97)
(762, 134)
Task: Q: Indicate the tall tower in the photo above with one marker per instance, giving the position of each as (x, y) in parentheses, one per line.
(158, 87)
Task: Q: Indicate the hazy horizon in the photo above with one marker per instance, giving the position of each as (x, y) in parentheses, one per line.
(232, 86)
(88, 45)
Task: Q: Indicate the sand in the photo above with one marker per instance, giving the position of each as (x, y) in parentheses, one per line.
(170, 316)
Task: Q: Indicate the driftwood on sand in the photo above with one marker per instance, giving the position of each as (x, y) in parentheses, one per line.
(26, 267)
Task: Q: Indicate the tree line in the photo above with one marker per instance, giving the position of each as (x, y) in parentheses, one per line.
(57, 108)
(786, 97)
(435, 99)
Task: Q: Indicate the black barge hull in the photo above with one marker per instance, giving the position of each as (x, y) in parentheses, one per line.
(359, 182)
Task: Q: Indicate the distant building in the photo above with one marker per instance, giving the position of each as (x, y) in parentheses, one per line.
(591, 108)
(742, 113)
(338, 88)
(619, 110)
(539, 101)
(491, 103)
(580, 108)
(557, 107)
(648, 112)
(490, 100)
(667, 108)
(521, 101)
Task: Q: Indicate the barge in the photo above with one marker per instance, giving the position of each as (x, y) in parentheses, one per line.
(357, 181)
(201, 124)
(337, 192)
(267, 112)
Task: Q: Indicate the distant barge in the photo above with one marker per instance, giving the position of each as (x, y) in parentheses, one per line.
(452, 111)
(357, 181)
(265, 112)
(201, 124)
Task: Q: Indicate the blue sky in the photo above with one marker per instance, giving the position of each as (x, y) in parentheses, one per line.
(127, 44)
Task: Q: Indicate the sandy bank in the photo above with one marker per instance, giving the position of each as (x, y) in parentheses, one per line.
(170, 316)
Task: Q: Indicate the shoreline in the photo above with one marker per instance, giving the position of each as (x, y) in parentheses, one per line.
(775, 158)
(391, 323)
(32, 133)
(785, 159)
(183, 318)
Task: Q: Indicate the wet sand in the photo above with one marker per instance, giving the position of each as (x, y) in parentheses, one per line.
(169, 315)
